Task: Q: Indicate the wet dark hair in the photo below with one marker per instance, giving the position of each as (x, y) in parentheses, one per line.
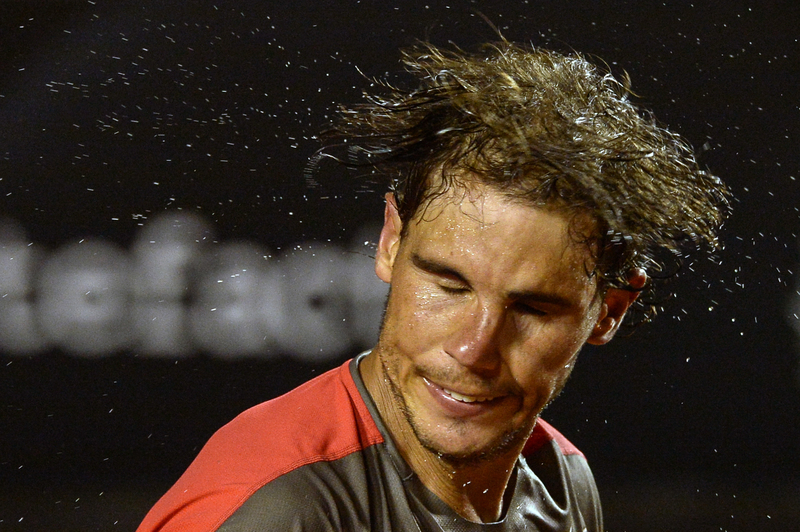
(550, 129)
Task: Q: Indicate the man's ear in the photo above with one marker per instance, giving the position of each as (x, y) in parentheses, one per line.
(614, 306)
(389, 241)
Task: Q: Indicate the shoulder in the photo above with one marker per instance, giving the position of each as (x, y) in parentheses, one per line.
(319, 496)
(545, 434)
(565, 474)
(323, 420)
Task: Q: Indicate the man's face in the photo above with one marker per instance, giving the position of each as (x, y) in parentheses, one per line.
(490, 303)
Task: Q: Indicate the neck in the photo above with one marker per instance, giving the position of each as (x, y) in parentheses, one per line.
(474, 490)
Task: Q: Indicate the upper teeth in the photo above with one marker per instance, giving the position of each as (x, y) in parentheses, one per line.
(466, 398)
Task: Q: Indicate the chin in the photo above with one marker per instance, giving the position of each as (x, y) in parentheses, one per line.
(470, 453)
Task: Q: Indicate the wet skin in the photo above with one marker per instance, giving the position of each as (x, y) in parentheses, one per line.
(490, 303)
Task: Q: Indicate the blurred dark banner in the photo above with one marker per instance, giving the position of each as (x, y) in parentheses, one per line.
(169, 257)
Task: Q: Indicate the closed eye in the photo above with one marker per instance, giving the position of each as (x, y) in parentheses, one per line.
(450, 289)
(525, 308)
(448, 279)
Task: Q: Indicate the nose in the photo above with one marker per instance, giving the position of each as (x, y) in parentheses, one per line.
(475, 342)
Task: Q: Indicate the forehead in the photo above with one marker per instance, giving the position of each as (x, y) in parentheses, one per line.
(458, 183)
(501, 239)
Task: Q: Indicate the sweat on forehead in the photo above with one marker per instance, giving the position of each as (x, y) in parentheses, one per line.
(464, 187)
(482, 206)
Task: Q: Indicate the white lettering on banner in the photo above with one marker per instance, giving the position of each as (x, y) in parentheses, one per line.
(165, 251)
(83, 298)
(236, 295)
(178, 292)
(316, 301)
(19, 333)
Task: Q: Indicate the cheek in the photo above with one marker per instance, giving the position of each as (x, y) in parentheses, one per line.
(546, 359)
(410, 326)
(418, 312)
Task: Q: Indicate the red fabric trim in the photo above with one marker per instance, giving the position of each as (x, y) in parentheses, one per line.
(324, 419)
(544, 433)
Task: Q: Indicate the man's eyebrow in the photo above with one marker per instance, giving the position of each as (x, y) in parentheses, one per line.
(434, 267)
(547, 298)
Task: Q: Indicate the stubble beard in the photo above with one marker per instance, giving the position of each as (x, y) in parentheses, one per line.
(510, 439)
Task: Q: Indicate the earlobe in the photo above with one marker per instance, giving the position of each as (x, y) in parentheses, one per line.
(615, 304)
(389, 241)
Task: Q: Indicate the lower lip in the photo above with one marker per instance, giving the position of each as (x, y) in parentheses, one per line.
(458, 408)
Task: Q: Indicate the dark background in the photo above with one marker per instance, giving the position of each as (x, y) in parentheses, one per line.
(111, 112)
